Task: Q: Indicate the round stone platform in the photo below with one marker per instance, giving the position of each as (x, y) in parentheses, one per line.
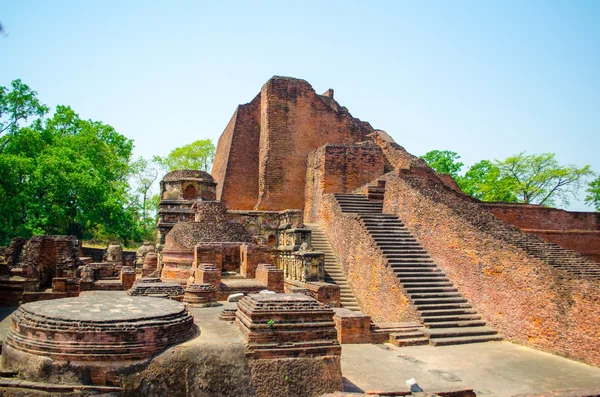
(93, 329)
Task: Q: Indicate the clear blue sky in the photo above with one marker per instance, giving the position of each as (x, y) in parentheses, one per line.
(485, 79)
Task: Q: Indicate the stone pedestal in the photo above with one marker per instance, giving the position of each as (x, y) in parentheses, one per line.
(127, 277)
(352, 327)
(150, 264)
(287, 325)
(326, 293)
(271, 276)
(200, 295)
(208, 274)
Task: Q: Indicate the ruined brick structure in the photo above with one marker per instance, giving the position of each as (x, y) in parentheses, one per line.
(261, 156)
(402, 234)
(179, 190)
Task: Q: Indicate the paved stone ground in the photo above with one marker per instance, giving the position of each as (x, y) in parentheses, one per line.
(491, 369)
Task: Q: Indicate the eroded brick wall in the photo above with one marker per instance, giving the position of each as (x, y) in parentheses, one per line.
(577, 231)
(527, 216)
(337, 168)
(235, 168)
(525, 299)
(261, 156)
(374, 284)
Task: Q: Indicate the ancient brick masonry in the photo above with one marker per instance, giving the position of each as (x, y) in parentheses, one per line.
(261, 156)
(85, 329)
(287, 325)
(526, 299)
(270, 276)
(201, 295)
(156, 287)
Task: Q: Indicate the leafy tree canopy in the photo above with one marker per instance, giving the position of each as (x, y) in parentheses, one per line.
(534, 179)
(443, 162)
(593, 193)
(197, 155)
(64, 175)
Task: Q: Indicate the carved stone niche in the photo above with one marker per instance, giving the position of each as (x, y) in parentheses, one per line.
(293, 239)
(302, 266)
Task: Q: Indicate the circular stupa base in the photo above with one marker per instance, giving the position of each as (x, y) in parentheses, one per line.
(88, 329)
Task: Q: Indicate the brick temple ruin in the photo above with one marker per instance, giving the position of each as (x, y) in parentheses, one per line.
(328, 233)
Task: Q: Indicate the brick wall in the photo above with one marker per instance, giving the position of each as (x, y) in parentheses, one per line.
(336, 168)
(525, 299)
(585, 242)
(527, 216)
(374, 284)
(235, 168)
(261, 155)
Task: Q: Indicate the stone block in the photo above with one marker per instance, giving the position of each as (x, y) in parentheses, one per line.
(208, 274)
(201, 295)
(352, 327)
(271, 276)
(127, 277)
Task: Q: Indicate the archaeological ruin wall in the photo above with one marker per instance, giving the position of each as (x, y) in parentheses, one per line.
(526, 299)
(263, 166)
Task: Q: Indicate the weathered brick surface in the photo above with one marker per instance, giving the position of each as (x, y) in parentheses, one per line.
(337, 168)
(374, 284)
(585, 242)
(526, 216)
(526, 300)
(251, 256)
(352, 327)
(69, 329)
(236, 162)
(271, 276)
(208, 274)
(578, 231)
(261, 156)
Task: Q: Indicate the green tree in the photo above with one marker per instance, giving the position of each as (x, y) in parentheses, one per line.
(197, 155)
(593, 196)
(64, 175)
(540, 179)
(144, 173)
(484, 181)
(443, 162)
(17, 105)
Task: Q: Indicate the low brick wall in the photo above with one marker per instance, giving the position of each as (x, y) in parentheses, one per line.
(586, 242)
(525, 299)
(375, 285)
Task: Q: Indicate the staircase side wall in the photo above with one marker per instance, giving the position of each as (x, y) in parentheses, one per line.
(375, 285)
(339, 169)
(526, 300)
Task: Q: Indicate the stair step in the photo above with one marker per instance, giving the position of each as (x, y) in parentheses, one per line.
(432, 301)
(461, 340)
(441, 312)
(456, 324)
(457, 331)
(410, 342)
(442, 306)
(456, 317)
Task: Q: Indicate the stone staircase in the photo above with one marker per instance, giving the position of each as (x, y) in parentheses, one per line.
(447, 316)
(553, 254)
(333, 272)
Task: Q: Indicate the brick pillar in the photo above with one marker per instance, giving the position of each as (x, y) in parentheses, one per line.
(127, 277)
(271, 276)
(208, 274)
